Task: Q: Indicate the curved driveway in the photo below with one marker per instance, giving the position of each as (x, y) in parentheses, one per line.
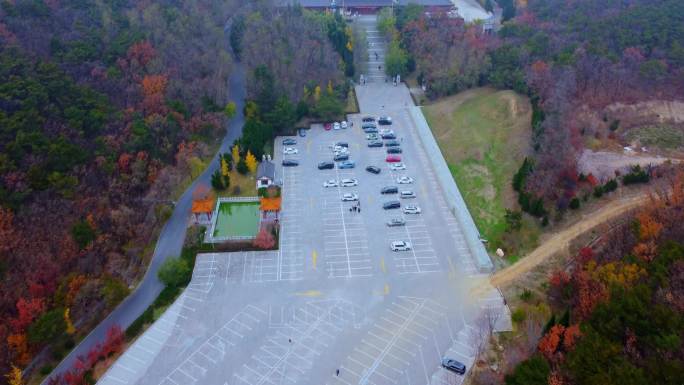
(169, 243)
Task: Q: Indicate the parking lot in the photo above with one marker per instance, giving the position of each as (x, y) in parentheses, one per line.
(334, 305)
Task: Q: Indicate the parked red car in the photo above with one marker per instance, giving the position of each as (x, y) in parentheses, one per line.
(327, 126)
(392, 159)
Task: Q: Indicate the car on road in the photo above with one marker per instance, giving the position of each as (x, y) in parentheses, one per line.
(327, 126)
(393, 159)
(397, 166)
(412, 209)
(302, 132)
(453, 365)
(367, 119)
(289, 142)
(407, 194)
(392, 143)
(290, 163)
(391, 205)
(330, 183)
(373, 169)
(290, 151)
(336, 126)
(400, 246)
(394, 150)
(350, 197)
(349, 182)
(346, 164)
(373, 137)
(395, 222)
(326, 166)
(404, 180)
(384, 120)
(375, 143)
(389, 190)
(341, 157)
(389, 135)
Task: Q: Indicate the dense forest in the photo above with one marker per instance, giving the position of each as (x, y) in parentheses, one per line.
(105, 108)
(572, 58)
(620, 307)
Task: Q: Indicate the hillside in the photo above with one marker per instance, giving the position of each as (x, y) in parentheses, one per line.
(484, 135)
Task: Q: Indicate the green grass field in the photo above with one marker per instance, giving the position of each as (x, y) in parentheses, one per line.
(237, 219)
(484, 135)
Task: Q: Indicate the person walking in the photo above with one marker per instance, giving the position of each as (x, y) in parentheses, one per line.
(337, 372)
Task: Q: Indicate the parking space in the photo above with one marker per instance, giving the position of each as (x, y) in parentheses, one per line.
(291, 250)
(294, 347)
(401, 347)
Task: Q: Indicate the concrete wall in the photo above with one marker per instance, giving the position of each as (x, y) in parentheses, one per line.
(453, 195)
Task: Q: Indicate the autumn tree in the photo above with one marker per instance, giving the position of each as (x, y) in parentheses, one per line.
(235, 153)
(251, 162)
(14, 377)
(264, 239)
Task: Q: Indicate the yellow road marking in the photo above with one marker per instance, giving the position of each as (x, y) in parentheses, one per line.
(314, 258)
(386, 289)
(382, 265)
(309, 293)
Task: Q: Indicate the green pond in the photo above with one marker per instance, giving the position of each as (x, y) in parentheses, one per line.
(237, 219)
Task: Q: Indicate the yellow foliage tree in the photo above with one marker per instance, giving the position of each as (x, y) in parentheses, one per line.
(329, 88)
(235, 152)
(251, 161)
(251, 110)
(317, 93)
(70, 329)
(307, 92)
(224, 167)
(14, 376)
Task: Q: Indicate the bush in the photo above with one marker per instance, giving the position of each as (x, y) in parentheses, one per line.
(175, 272)
(83, 233)
(114, 291)
(636, 175)
(513, 220)
(518, 315)
(46, 369)
(526, 295)
(242, 167)
(598, 191)
(48, 327)
(610, 186)
(574, 203)
(533, 371)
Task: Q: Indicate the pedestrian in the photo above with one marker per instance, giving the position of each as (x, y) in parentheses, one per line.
(337, 372)
(289, 340)
(359, 209)
(379, 67)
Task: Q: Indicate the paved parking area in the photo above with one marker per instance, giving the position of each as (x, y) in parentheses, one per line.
(334, 297)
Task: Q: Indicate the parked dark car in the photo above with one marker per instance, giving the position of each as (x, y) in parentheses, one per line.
(326, 165)
(389, 135)
(391, 205)
(289, 142)
(341, 157)
(375, 143)
(302, 132)
(389, 190)
(384, 121)
(394, 150)
(367, 119)
(370, 130)
(368, 125)
(342, 144)
(453, 365)
(392, 143)
(373, 169)
(290, 163)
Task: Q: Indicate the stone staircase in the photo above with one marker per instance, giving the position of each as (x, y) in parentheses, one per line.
(374, 70)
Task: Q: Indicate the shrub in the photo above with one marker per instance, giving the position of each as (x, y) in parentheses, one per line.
(114, 290)
(518, 315)
(533, 371)
(83, 233)
(242, 167)
(46, 369)
(636, 175)
(574, 203)
(513, 220)
(264, 239)
(598, 191)
(174, 272)
(526, 295)
(610, 186)
(47, 327)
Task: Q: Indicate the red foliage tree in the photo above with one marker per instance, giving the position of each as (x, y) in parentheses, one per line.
(27, 311)
(551, 342)
(142, 52)
(570, 337)
(264, 239)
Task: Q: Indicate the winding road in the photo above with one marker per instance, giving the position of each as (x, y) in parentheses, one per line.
(169, 243)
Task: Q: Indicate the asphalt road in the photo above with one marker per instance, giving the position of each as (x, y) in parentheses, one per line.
(170, 240)
(334, 297)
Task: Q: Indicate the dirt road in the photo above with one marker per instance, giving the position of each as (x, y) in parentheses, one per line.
(562, 239)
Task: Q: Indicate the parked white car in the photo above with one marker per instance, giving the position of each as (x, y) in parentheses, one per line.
(330, 183)
(341, 149)
(405, 180)
(344, 124)
(397, 166)
(350, 197)
(406, 194)
(411, 209)
(349, 182)
(290, 151)
(400, 246)
(385, 131)
(336, 126)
